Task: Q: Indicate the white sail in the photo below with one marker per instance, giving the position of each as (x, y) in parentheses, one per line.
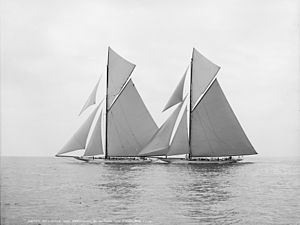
(177, 95)
(203, 72)
(91, 99)
(215, 129)
(130, 125)
(94, 146)
(119, 70)
(180, 142)
(159, 144)
(78, 140)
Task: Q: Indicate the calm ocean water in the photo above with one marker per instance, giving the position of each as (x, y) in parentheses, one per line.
(65, 191)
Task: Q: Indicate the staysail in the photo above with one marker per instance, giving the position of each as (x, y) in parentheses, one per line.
(180, 142)
(177, 95)
(130, 125)
(78, 140)
(216, 131)
(203, 72)
(94, 146)
(159, 144)
(91, 99)
(119, 71)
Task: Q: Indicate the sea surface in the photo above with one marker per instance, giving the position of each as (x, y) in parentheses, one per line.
(66, 191)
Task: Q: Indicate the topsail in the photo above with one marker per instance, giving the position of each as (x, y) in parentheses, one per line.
(203, 72)
(118, 72)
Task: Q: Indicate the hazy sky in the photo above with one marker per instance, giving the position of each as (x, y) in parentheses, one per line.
(53, 52)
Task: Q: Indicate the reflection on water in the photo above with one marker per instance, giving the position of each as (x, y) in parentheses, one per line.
(207, 187)
(49, 189)
(119, 187)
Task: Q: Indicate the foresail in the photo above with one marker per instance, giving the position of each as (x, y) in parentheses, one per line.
(91, 99)
(203, 72)
(180, 142)
(94, 146)
(119, 70)
(159, 144)
(215, 129)
(130, 125)
(177, 95)
(78, 140)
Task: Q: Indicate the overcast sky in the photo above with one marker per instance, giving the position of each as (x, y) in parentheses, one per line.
(53, 52)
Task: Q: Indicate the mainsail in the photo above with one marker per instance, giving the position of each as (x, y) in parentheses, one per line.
(78, 140)
(203, 72)
(118, 72)
(94, 146)
(91, 99)
(130, 125)
(159, 144)
(216, 131)
(177, 95)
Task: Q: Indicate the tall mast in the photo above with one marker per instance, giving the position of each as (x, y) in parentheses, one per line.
(190, 116)
(106, 104)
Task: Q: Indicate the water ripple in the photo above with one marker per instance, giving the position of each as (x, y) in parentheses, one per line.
(265, 191)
